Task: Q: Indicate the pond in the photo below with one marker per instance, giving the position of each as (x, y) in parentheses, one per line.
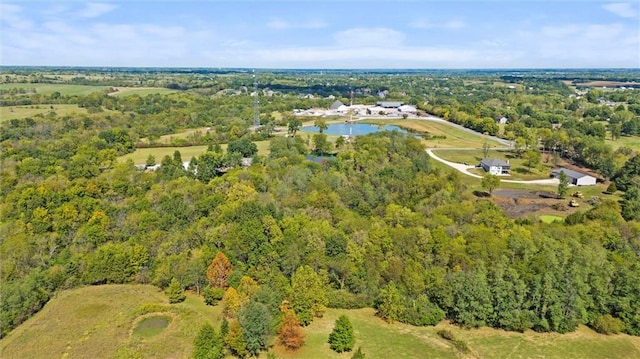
(353, 129)
(151, 326)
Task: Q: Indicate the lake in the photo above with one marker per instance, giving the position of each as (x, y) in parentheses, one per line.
(354, 129)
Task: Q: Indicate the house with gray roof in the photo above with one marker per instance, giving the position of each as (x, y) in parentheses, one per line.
(496, 166)
(574, 177)
(336, 105)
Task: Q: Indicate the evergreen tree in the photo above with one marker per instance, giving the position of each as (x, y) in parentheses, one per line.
(224, 327)
(175, 292)
(341, 338)
(235, 340)
(207, 344)
(255, 320)
(563, 186)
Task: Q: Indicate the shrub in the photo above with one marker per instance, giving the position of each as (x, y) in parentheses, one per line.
(212, 295)
(612, 188)
(606, 324)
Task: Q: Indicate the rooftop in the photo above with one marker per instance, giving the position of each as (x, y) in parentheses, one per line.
(494, 162)
(569, 173)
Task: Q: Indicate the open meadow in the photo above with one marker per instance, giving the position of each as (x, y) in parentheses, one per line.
(140, 155)
(131, 321)
(18, 112)
(453, 137)
(63, 89)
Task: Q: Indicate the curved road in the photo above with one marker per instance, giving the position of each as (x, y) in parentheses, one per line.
(465, 169)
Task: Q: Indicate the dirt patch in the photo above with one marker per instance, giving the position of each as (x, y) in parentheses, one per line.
(517, 203)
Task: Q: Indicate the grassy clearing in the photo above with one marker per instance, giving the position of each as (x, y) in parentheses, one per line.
(99, 322)
(454, 137)
(547, 218)
(632, 142)
(47, 89)
(180, 135)
(140, 155)
(17, 112)
(141, 91)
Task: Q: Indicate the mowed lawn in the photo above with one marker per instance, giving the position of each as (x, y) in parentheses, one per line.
(17, 112)
(99, 321)
(64, 89)
(140, 155)
(454, 137)
(518, 169)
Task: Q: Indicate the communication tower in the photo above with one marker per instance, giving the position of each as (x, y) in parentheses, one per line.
(256, 110)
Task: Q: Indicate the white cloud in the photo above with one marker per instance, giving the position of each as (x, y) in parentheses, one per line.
(622, 9)
(92, 10)
(449, 25)
(11, 16)
(380, 37)
(279, 24)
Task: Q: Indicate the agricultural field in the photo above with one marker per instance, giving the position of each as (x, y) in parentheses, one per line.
(454, 137)
(18, 112)
(121, 321)
(64, 89)
(141, 91)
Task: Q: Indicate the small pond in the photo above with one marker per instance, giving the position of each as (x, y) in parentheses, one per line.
(354, 129)
(151, 326)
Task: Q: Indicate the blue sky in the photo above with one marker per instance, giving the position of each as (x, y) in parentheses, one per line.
(322, 34)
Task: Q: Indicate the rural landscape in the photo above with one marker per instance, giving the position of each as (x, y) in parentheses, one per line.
(169, 189)
(132, 218)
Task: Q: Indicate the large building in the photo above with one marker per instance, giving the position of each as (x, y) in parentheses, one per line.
(496, 166)
(575, 177)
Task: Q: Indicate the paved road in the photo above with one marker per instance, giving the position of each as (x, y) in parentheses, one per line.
(465, 169)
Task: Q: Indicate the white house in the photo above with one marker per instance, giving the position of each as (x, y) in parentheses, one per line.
(574, 177)
(495, 166)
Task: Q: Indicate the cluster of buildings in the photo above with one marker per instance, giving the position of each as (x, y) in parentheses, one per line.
(381, 108)
(499, 167)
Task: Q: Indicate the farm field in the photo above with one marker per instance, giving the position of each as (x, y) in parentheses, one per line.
(101, 322)
(64, 89)
(455, 137)
(141, 91)
(18, 112)
(140, 155)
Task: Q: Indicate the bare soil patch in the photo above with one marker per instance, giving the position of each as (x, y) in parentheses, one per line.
(518, 203)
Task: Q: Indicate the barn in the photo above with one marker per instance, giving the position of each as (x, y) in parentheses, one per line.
(574, 177)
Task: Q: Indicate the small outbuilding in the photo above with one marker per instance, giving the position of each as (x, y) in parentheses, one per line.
(495, 166)
(336, 105)
(574, 177)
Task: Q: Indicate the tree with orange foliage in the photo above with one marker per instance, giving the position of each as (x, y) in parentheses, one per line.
(219, 270)
(290, 334)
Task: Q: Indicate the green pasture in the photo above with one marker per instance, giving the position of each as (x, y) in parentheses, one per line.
(18, 112)
(140, 155)
(141, 91)
(64, 89)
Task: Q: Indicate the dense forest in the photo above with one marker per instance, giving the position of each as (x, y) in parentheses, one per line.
(376, 225)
